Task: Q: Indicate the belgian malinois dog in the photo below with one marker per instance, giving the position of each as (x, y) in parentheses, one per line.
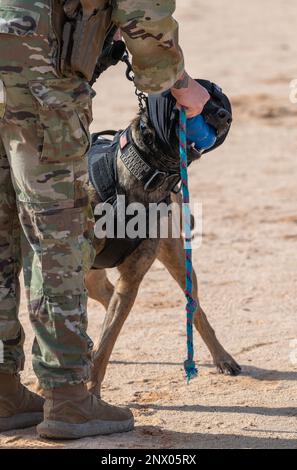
(144, 143)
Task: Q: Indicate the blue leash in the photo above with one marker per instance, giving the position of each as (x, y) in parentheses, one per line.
(189, 364)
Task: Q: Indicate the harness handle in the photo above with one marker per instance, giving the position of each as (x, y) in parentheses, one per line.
(191, 307)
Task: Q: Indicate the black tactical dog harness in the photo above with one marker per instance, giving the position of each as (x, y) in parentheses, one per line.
(102, 162)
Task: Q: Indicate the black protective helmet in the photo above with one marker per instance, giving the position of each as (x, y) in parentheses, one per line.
(164, 115)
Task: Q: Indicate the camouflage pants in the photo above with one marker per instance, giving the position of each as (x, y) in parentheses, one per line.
(45, 217)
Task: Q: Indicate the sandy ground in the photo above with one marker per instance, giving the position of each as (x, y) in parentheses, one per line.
(246, 264)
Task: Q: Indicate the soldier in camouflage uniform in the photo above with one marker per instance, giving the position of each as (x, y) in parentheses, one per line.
(45, 217)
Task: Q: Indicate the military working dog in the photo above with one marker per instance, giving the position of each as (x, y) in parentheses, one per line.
(141, 163)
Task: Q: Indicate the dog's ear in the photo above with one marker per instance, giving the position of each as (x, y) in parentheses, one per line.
(148, 135)
(148, 132)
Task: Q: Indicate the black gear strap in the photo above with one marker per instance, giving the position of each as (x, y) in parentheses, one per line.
(102, 166)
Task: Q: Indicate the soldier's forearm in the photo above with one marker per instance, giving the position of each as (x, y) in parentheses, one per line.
(151, 35)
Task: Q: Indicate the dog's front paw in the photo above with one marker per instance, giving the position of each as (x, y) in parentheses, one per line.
(227, 365)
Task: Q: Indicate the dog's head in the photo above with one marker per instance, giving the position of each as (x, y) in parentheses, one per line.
(155, 132)
(161, 125)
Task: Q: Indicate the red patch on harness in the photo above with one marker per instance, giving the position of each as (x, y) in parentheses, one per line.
(123, 140)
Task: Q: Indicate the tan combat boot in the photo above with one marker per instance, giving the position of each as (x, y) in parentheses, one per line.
(71, 412)
(19, 408)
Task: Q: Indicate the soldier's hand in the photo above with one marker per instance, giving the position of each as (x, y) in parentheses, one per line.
(189, 94)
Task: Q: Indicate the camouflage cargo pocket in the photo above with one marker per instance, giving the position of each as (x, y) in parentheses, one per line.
(65, 114)
(18, 21)
(66, 251)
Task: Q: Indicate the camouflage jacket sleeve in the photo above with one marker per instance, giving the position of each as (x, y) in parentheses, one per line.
(151, 35)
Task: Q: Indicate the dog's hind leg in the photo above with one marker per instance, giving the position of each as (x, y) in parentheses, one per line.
(99, 287)
(171, 253)
(131, 272)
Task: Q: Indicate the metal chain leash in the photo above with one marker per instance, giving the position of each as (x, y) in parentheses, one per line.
(141, 97)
